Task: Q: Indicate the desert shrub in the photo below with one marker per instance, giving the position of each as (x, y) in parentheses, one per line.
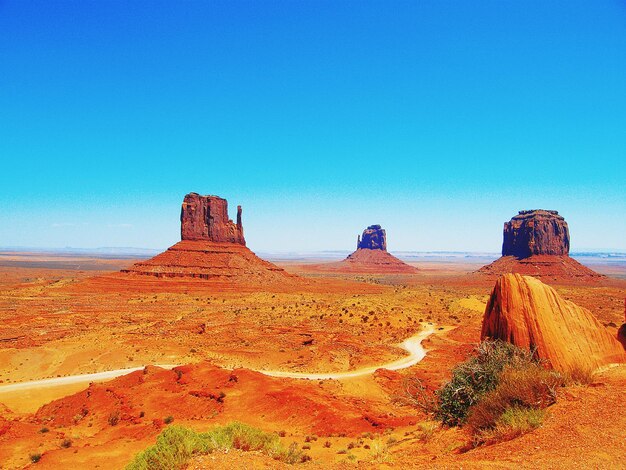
(475, 377)
(513, 423)
(114, 418)
(173, 448)
(579, 375)
(292, 455)
(34, 458)
(66, 443)
(177, 444)
(427, 430)
(168, 419)
(527, 387)
(44, 430)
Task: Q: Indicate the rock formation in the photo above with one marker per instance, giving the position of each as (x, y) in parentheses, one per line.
(621, 333)
(373, 238)
(535, 232)
(211, 247)
(524, 311)
(206, 218)
(536, 243)
(371, 256)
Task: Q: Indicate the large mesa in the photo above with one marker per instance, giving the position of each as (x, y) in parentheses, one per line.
(212, 247)
(536, 243)
(526, 312)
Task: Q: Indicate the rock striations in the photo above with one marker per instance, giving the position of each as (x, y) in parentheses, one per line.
(536, 243)
(212, 247)
(206, 218)
(524, 311)
(371, 256)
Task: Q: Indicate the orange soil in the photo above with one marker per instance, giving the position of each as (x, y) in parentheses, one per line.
(56, 322)
(553, 267)
(365, 260)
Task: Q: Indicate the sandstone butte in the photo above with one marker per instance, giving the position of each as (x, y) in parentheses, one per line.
(212, 247)
(371, 256)
(536, 243)
(525, 312)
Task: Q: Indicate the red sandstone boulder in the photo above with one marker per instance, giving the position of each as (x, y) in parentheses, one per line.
(206, 218)
(525, 312)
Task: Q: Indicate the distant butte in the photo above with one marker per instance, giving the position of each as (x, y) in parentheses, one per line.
(212, 247)
(371, 256)
(536, 243)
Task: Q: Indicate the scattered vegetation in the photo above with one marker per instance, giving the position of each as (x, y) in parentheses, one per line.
(579, 376)
(177, 444)
(500, 393)
(114, 418)
(512, 423)
(472, 379)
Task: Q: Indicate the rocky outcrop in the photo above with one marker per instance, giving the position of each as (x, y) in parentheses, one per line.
(373, 238)
(206, 218)
(371, 256)
(212, 247)
(525, 312)
(536, 243)
(621, 333)
(535, 232)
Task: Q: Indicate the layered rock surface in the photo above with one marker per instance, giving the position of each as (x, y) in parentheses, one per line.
(535, 232)
(371, 256)
(206, 218)
(525, 312)
(536, 243)
(211, 247)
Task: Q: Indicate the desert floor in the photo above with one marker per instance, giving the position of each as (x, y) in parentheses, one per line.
(63, 316)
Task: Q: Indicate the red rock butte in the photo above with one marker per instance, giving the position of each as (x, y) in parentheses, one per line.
(371, 256)
(536, 243)
(212, 247)
(525, 312)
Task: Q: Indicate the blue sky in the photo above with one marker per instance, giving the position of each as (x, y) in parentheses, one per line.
(437, 119)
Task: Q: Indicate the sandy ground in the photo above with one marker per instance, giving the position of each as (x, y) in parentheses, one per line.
(57, 321)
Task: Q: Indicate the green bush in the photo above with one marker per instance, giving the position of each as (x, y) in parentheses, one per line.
(475, 377)
(177, 444)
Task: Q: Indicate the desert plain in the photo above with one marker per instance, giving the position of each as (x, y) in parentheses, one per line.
(63, 316)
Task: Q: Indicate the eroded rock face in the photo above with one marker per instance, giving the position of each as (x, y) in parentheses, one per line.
(373, 238)
(525, 312)
(206, 218)
(212, 248)
(535, 232)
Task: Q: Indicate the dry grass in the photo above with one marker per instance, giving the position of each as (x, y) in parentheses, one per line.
(513, 423)
(579, 375)
(529, 387)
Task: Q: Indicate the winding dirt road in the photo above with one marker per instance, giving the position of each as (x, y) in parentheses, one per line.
(412, 345)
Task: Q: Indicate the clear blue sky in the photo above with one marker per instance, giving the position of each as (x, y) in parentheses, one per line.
(437, 119)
